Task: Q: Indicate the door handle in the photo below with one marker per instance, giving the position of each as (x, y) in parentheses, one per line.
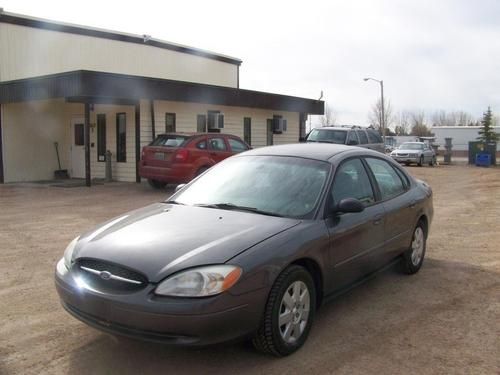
(377, 219)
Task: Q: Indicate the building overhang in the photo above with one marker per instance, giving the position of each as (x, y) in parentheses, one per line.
(99, 87)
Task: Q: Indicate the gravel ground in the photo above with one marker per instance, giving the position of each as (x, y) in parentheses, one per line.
(445, 319)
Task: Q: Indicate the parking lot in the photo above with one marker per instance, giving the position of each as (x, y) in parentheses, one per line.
(445, 319)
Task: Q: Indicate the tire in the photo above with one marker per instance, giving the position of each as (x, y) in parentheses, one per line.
(421, 161)
(155, 184)
(432, 163)
(414, 256)
(294, 291)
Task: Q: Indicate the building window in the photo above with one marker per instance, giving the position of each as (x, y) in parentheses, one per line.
(170, 122)
(79, 135)
(121, 137)
(247, 130)
(270, 132)
(215, 121)
(101, 137)
(201, 123)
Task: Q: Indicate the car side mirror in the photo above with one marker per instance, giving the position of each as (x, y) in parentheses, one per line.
(349, 205)
(352, 142)
(179, 187)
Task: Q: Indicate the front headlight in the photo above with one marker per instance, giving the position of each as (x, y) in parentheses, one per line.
(200, 282)
(68, 253)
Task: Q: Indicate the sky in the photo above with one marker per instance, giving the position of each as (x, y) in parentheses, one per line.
(432, 55)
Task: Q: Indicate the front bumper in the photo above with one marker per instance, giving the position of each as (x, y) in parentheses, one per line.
(145, 316)
(406, 159)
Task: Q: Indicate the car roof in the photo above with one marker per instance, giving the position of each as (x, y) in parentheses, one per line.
(418, 143)
(318, 151)
(344, 128)
(192, 134)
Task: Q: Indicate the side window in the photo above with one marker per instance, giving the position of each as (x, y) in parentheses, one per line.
(351, 181)
(202, 145)
(363, 139)
(247, 130)
(388, 180)
(403, 178)
(170, 122)
(121, 137)
(237, 146)
(352, 138)
(217, 144)
(373, 136)
(201, 123)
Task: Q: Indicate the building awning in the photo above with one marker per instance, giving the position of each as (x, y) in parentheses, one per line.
(99, 87)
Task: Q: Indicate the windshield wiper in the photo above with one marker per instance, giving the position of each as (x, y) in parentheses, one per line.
(231, 206)
(174, 202)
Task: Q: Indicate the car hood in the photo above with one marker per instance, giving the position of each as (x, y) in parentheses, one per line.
(407, 151)
(161, 239)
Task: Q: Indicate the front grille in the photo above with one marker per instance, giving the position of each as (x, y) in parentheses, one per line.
(117, 279)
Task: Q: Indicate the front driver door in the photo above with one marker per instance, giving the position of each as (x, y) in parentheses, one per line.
(356, 239)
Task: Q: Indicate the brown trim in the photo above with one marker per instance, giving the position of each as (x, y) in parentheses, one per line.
(153, 124)
(137, 141)
(81, 30)
(84, 85)
(1, 147)
(87, 144)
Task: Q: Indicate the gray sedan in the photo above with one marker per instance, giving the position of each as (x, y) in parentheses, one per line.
(414, 152)
(249, 249)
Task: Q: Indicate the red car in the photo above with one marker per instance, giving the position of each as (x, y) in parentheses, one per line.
(179, 157)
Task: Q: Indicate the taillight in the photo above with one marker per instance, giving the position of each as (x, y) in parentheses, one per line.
(182, 155)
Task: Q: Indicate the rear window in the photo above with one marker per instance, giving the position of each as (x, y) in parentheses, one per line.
(327, 135)
(373, 136)
(170, 140)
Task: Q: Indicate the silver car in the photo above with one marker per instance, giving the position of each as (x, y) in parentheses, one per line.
(414, 152)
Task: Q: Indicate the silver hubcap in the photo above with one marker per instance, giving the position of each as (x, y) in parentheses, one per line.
(294, 312)
(417, 246)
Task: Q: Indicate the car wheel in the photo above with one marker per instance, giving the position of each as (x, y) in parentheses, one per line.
(157, 184)
(414, 256)
(289, 313)
(421, 161)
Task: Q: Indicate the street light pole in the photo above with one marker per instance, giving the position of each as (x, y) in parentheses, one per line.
(382, 110)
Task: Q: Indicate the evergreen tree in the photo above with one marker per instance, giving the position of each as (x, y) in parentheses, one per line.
(486, 133)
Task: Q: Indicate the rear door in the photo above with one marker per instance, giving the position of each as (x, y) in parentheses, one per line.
(356, 239)
(398, 205)
(218, 149)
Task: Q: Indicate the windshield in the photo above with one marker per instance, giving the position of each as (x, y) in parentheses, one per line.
(169, 140)
(281, 186)
(411, 146)
(327, 135)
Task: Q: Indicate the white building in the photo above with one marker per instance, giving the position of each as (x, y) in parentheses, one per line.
(460, 137)
(92, 90)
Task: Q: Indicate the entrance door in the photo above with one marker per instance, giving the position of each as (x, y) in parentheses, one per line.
(77, 148)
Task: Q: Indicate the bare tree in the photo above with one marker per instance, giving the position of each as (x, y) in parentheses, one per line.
(404, 126)
(456, 118)
(329, 118)
(375, 116)
(418, 124)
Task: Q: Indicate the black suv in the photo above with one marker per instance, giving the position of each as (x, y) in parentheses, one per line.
(348, 135)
